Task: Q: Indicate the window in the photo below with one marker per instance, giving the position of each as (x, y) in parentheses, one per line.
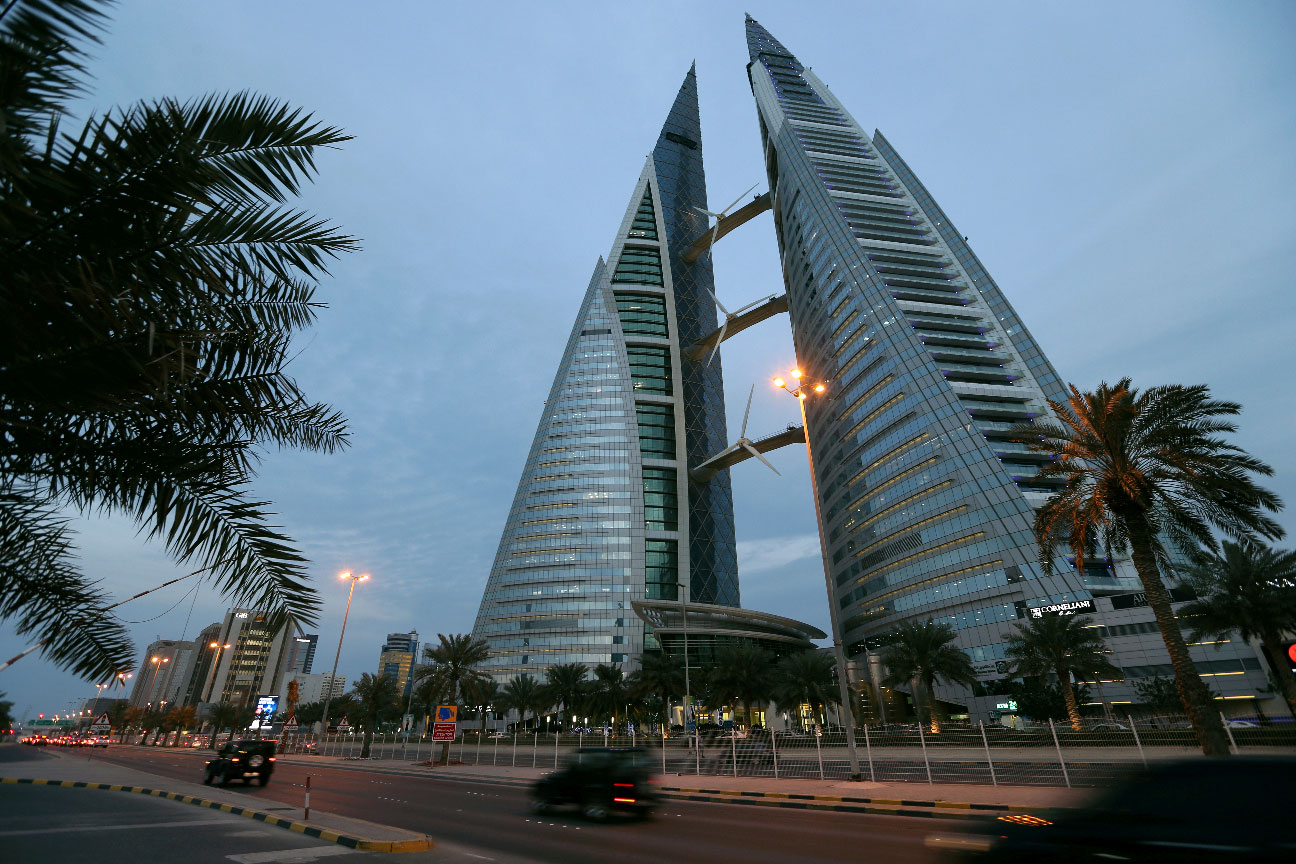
(661, 569)
(661, 500)
(642, 314)
(650, 368)
(640, 265)
(656, 430)
(645, 221)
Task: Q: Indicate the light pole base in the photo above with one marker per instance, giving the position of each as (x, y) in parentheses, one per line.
(856, 778)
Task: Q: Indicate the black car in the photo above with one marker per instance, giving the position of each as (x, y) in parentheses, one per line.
(242, 760)
(600, 781)
(1185, 812)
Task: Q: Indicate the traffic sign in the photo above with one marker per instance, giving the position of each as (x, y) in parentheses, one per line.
(290, 725)
(103, 724)
(444, 731)
(344, 726)
(447, 713)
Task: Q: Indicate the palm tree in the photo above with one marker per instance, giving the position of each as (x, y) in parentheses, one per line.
(482, 695)
(453, 667)
(226, 714)
(608, 693)
(130, 719)
(922, 654)
(1139, 467)
(566, 685)
(805, 678)
(525, 694)
(309, 713)
(1060, 645)
(661, 675)
(1250, 589)
(180, 718)
(745, 673)
(427, 695)
(152, 283)
(376, 696)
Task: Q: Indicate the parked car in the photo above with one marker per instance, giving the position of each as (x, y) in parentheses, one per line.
(241, 760)
(1164, 813)
(600, 781)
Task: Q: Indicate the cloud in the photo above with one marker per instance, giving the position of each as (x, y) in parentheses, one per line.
(771, 553)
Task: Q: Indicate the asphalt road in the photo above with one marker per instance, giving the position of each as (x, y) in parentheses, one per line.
(493, 818)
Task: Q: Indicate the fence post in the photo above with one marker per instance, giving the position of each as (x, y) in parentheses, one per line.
(580, 744)
(819, 753)
(535, 748)
(1232, 744)
(774, 746)
(663, 748)
(733, 748)
(1061, 761)
(555, 751)
(1134, 729)
(868, 748)
(477, 761)
(922, 739)
(514, 748)
(495, 752)
(605, 731)
(989, 761)
(418, 748)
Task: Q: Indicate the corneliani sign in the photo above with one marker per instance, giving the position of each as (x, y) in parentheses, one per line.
(1073, 607)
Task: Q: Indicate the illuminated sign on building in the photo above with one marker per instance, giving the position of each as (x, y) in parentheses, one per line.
(1071, 607)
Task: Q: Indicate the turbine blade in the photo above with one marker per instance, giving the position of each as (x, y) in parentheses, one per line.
(739, 198)
(719, 338)
(743, 433)
(758, 455)
(717, 302)
(707, 212)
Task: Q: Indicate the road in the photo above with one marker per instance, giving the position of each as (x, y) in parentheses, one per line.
(493, 818)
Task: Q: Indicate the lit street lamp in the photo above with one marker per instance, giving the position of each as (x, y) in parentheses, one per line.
(157, 672)
(211, 678)
(328, 692)
(799, 389)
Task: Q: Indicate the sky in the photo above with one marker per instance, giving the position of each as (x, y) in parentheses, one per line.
(1123, 170)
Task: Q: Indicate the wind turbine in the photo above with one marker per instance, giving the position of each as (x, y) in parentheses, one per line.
(723, 213)
(745, 442)
(729, 316)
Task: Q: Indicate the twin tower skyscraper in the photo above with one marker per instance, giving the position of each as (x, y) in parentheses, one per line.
(926, 505)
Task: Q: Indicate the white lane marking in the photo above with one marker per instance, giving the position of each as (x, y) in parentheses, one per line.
(149, 825)
(308, 854)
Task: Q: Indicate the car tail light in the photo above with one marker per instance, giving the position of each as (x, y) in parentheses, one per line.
(624, 785)
(624, 800)
(272, 758)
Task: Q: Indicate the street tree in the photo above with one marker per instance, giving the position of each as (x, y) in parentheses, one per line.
(609, 692)
(151, 281)
(376, 699)
(525, 695)
(920, 655)
(1148, 471)
(180, 718)
(566, 683)
(484, 696)
(805, 678)
(1252, 590)
(1060, 645)
(659, 675)
(743, 673)
(453, 666)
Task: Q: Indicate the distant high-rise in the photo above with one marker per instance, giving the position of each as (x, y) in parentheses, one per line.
(399, 654)
(927, 505)
(255, 664)
(302, 653)
(605, 511)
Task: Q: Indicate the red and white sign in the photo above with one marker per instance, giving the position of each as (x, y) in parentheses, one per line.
(102, 724)
(444, 731)
(344, 726)
(291, 724)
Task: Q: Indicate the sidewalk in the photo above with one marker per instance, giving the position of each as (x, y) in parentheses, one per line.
(355, 833)
(940, 798)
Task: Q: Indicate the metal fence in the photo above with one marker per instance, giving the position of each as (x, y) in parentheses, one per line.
(1051, 754)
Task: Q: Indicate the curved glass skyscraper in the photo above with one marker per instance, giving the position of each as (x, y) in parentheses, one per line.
(605, 512)
(927, 506)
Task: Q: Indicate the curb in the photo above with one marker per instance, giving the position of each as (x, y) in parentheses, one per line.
(887, 806)
(356, 843)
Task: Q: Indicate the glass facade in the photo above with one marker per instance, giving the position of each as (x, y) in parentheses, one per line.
(927, 506)
(605, 512)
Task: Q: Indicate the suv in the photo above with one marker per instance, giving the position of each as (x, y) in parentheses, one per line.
(600, 780)
(242, 760)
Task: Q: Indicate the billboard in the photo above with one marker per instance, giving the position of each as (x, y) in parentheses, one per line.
(265, 709)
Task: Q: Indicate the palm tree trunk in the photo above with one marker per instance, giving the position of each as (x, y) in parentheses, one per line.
(1068, 696)
(1281, 671)
(1196, 698)
(368, 740)
(929, 695)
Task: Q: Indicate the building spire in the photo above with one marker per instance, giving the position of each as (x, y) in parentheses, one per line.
(759, 41)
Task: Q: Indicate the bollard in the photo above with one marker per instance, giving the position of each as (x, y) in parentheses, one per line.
(868, 748)
(819, 752)
(1065, 777)
(1232, 744)
(926, 762)
(1138, 742)
(989, 761)
(307, 817)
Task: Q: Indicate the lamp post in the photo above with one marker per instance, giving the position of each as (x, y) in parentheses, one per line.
(801, 390)
(211, 677)
(157, 672)
(328, 693)
(688, 692)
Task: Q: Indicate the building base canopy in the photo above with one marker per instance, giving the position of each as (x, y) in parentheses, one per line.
(667, 618)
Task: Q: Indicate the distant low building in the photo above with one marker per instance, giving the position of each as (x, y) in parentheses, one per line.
(312, 687)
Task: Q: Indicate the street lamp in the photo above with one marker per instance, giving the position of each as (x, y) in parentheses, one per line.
(688, 693)
(211, 677)
(157, 672)
(801, 389)
(328, 693)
